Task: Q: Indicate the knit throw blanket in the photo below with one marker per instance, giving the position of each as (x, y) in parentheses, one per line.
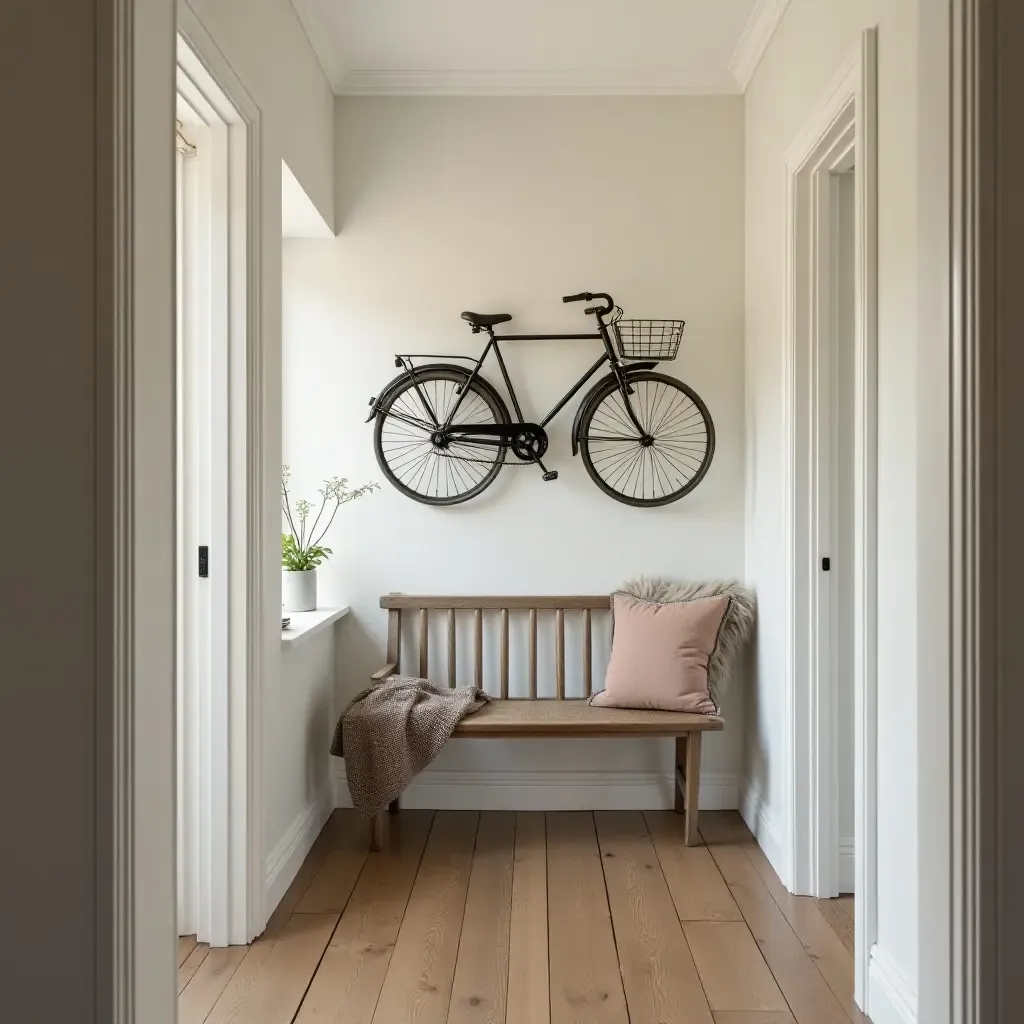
(392, 731)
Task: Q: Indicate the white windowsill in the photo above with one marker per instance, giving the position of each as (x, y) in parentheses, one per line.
(306, 624)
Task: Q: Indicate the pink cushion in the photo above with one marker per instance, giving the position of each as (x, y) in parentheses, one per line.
(660, 655)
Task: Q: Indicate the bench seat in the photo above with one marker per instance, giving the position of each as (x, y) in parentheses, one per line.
(567, 718)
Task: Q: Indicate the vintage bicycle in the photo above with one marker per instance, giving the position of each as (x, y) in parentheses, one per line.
(443, 431)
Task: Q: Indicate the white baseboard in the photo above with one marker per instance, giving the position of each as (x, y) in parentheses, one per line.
(499, 790)
(756, 814)
(891, 1000)
(284, 861)
(847, 866)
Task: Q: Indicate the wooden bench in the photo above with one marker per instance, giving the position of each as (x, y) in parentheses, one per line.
(507, 716)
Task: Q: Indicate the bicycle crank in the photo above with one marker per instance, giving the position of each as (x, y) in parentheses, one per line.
(529, 443)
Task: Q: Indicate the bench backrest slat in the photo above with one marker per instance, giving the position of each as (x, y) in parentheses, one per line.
(394, 636)
(504, 654)
(588, 682)
(560, 654)
(533, 654)
(451, 648)
(424, 642)
(478, 648)
(396, 604)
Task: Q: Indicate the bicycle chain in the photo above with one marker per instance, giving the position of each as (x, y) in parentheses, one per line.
(485, 462)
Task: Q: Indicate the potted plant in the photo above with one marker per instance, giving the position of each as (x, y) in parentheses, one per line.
(302, 549)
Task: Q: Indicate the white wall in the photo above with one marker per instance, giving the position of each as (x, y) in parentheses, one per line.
(507, 204)
(811, 45)
(264, 43)
(298, 786)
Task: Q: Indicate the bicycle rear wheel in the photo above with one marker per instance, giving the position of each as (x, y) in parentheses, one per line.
(659, 464)
(423, 466)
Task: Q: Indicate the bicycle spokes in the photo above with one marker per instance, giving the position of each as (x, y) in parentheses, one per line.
(663, 460)
(425, 461)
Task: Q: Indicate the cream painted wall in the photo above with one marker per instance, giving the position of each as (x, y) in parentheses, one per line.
(507, 204)
(265, 44)
(808, 50)
(298, 784)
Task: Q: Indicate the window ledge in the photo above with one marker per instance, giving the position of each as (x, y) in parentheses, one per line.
(306, 624)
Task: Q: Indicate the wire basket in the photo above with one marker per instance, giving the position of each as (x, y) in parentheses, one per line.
(648, 339)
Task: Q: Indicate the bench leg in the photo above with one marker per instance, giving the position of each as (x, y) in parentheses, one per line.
(692, 788)
(377, 831)
(680, 768)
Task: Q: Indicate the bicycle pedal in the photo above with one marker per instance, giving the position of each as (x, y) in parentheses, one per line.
(551, 474)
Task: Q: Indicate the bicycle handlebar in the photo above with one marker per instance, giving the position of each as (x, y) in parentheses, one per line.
(589, 296)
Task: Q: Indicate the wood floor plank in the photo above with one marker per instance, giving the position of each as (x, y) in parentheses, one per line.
(529, 1000)
(418, 984)
(229, 974)
(810, 999)
(192, 964)
(303, 878)
(186, 943)
(586, 986)
(838, 920)
(658, 972)
(698, 890)
(481, 971)
(846, 904)
(826, 949)
(203, 991)
(728, 827)
(745, 1017)
(278, 986)
(332, 885)
(732, 969)
(348, 982)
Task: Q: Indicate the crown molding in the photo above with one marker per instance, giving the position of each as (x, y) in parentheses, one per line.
(316, 26)
(762, 25)
(531, 83)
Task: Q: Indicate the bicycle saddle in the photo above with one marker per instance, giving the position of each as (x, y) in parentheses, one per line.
(486, 319)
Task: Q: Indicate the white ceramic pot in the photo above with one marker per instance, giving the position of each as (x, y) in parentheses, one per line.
(298, 590)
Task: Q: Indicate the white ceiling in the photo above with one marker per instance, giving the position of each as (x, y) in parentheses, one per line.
(539, 46)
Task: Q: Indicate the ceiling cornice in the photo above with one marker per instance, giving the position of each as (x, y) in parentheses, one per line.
(316, 26)
(529, 83)
(761, 27)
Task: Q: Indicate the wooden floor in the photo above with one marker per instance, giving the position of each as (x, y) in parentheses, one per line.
(530, 918)
(839, 914)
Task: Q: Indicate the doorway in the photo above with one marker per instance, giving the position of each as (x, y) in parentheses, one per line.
(830, 383)
(219, 501)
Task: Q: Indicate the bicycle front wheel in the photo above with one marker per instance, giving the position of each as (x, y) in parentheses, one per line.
(429, 468)
(664, 460)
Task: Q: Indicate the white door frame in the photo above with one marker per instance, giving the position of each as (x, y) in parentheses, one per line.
(841, 134)
(226, 903)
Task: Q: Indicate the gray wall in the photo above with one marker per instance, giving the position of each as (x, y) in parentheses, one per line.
(57, 196)
(47, 462)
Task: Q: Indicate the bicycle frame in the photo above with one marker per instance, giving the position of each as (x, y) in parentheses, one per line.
(608, 356)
